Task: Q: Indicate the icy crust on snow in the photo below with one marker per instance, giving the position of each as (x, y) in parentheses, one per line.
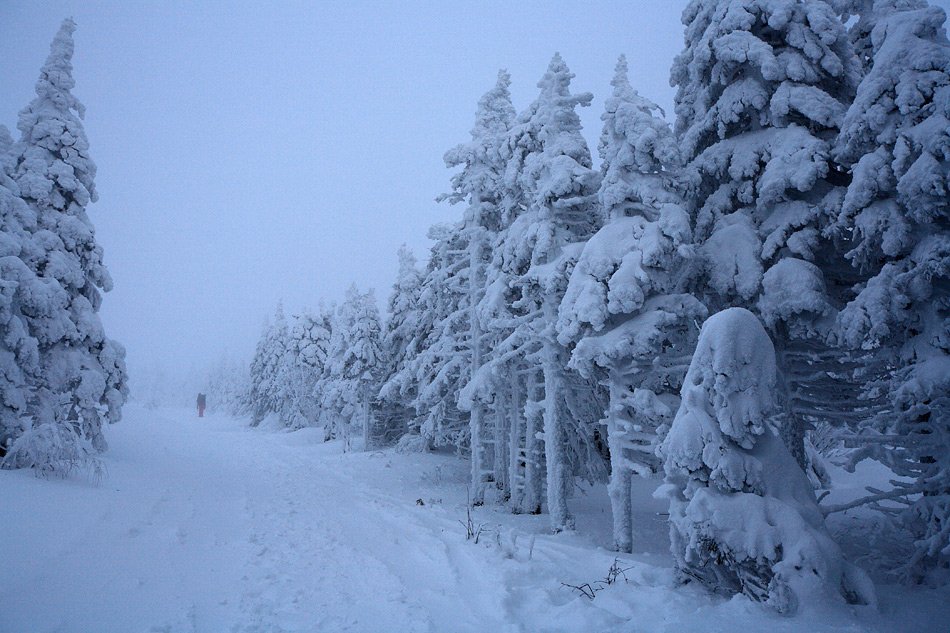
(743, 517)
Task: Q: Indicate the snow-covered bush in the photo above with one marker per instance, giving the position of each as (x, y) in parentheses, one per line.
(743, 517)
(53, 449)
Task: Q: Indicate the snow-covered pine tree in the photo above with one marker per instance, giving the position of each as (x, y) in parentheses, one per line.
(762, 87)
(625, 307)
(83, 372)
(509, 383)
(550, 165)
(398, 346)
(480, 184)
(859, 14)
(353, 361)
(442, 361)
(309, 339)
(226, 387)
(896, 140)
(269, 387)
(743, 517)
(19, 350)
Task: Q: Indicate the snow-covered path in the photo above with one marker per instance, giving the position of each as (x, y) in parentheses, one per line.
(207, 526)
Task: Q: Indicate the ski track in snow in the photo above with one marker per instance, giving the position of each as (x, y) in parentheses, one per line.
(207, 526)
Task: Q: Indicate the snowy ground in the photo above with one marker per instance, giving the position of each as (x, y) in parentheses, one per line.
(207, 526)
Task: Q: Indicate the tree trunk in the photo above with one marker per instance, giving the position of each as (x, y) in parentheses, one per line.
(793, 429)
(532, 449)
(620, 475)
(558, 477)
(480, 466)
(508, 405)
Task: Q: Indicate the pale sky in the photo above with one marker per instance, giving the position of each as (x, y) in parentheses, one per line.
(250, 152)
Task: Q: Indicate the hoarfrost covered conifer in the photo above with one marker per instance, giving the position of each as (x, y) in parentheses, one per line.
(309, 339)
(353, 361)
(441, 364)
(550, 166)
(480, 183)
(399, 347)
(896, 138)
(762, 88)
(227, 387)
(82, 378)
(743, 517)
(19, 350)
(269, 386)
(625, 307)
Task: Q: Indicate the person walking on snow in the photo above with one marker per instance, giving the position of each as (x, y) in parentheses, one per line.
(201, 405)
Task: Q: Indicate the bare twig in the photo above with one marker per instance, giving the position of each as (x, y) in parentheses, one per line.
(585, 590)
(896, 495)
(615, 572)
(472, 531)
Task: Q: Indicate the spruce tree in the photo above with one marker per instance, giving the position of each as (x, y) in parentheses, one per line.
(626, 311)
(353, 363)
(20, 292)
(441, 364)
(762, 88)
(896, 140)
(550, 165)
(398, 347)
(83, 379)
(270, 385)
(480, 183)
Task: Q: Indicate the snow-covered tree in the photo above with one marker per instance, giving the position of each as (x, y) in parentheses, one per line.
(353, 360)
(550, 169)
(896, 139)
(743, 517)
(480, 183)
(270, 380)
(625, 307)
(399, 347)
(19, 350)
(82, 378)
(441, 364)
(226, 387)
(308, 338)
(762, 88)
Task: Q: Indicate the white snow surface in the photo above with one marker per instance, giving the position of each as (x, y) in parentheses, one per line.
(207, 525)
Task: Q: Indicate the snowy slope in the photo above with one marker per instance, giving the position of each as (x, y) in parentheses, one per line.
(205, 525)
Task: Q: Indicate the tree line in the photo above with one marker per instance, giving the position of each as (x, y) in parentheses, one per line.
(774, 264)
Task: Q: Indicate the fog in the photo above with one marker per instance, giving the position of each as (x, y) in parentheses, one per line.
(251, 154)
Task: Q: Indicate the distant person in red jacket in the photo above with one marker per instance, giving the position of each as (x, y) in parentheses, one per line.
(201, 405)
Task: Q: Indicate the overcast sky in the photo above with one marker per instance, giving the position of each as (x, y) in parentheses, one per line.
(250, 152)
